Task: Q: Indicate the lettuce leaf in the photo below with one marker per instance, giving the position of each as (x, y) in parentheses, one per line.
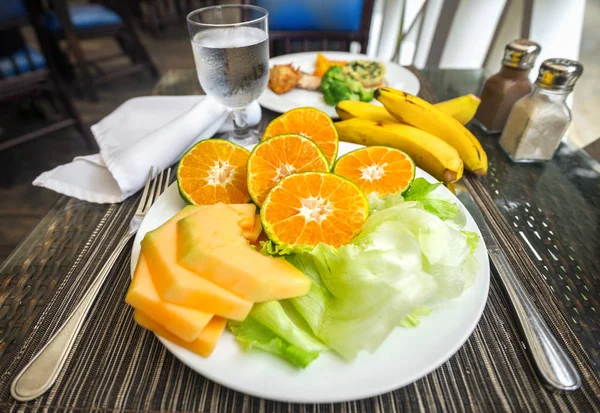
(252, 334)
(413, 319)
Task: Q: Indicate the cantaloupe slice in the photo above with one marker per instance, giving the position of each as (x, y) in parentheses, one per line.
(252, 235)
(176, 284)
(211, 244)
(247, 214)
(203, 345)
(185, 323)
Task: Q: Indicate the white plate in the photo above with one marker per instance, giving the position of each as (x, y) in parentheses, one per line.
(396, 77)
(406, 355)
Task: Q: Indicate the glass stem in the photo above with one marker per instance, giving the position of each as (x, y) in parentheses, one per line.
(240, 123)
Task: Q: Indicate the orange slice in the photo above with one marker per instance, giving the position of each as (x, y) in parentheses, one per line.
(276, 158)
(310, 123)
(377, 169)
(312, 207)
(213, 171)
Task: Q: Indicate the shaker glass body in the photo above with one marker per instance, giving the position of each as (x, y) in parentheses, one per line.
(536, 125)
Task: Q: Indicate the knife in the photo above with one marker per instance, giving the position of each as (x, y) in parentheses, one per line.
(552, 364)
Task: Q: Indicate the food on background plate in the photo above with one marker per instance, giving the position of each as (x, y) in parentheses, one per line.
(310, 123)
(415, 111)
(337, 86)
(283, 78)
(323, 64)
(277, 157)
(341, 80)
(377, 169)
(369, 73)
(213, 170)
(309, 208)
(462, 109)
(428, 152)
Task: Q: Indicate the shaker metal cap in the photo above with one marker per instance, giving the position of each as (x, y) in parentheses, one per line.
(521, 53)
(559, 74)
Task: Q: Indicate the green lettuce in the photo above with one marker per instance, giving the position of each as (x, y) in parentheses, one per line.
(412, 253)
(252, 334)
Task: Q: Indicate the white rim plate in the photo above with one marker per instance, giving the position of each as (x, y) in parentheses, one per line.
(406, 355)
(396, 77)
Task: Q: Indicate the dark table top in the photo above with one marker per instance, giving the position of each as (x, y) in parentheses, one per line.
(551, 213)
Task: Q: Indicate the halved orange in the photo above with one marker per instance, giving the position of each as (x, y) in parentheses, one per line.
(212, 171)
(276, 158)
(310, 123)
(377, 169)
(308, 208)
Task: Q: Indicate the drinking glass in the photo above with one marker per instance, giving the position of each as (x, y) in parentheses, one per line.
(231, 51)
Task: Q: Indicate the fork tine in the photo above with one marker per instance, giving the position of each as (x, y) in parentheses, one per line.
(143, 198)
(159, 187)
(168, 181)
(152, 190)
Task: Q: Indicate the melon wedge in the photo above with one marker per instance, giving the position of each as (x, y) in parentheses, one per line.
(211, 244)
(247, 215)
(176, 284)
(203, 345)
(185, 323)
(252, 234)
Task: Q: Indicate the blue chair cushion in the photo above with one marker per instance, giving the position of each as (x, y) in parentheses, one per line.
(12, 9)
(331, 15)
(85, 16)
(8, 69)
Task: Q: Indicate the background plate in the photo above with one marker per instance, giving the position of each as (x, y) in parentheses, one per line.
(396, 77)
(406, 355)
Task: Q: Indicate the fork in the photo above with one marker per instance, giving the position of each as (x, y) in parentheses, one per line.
(43, 369)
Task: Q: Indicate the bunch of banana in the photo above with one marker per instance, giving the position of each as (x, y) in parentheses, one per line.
(433, 135)
(462, 109)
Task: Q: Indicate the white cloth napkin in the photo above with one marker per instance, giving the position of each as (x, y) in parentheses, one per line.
(141, 133)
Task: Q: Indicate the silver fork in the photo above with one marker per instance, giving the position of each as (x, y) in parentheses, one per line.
(43, 369)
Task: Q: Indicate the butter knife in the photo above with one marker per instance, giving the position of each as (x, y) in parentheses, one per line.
(551, 362)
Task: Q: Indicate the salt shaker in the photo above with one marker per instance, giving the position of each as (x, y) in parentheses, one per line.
(502, 90)
(538, 121)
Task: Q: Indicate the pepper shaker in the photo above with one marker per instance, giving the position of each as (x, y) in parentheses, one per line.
(502, 90)
(539, 120)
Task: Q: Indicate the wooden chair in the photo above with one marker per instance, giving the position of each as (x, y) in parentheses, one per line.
(79, 22)
(305, 25)
(25, 72)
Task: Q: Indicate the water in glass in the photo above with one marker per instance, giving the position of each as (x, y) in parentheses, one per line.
(232, 63)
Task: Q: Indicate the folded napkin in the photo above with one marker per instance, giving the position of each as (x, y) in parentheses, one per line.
(141, 133)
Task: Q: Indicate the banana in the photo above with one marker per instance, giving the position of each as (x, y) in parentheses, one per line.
(429, 153)
(414, 111)
(462, 109)
(348, 109)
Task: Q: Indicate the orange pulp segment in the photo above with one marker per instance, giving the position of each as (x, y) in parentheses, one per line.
(276, 158)
(212, 171)
(312, 207)
(377, 169)
(310, 123)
